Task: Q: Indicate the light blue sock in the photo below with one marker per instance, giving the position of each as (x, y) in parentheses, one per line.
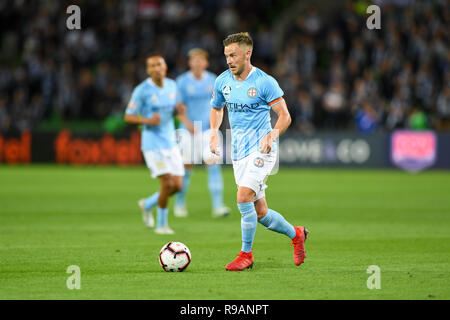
(180, 197)
(151, 201)
(276, 222)
(215, 185)
(248, 224)
(162, 217)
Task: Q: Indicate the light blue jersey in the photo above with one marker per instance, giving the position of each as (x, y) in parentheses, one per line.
(196, 95)
(148, 99)
(248, 103)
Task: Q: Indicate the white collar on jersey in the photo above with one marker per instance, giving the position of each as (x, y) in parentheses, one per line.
(201, 78)
(251, 71)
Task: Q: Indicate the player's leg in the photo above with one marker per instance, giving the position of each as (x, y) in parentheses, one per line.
(187, 151)
(180, 197)
(274, 221)
(245, 197)
(177, 184)
(167, 187)
(215, 179)
(147, 204)
(215, 186)
(171, 183)
(150, 202)
(249, 220)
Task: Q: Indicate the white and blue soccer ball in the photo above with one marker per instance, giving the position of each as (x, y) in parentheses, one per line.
(174, 257)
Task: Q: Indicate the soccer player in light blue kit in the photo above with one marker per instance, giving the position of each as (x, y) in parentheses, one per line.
(195, 88)
(249, 94)
(152, 105)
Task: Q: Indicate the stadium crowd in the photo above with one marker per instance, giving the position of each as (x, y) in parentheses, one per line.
(335, 72)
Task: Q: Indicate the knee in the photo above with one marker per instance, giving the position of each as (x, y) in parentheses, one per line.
(177, 186)
(173, 184)
(168, 184)
(245, 195)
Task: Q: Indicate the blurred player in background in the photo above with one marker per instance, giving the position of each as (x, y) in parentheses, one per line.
(152, 105)
(196, 86)
(249, 94)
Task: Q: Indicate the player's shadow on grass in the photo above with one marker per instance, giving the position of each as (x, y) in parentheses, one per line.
(267, 264)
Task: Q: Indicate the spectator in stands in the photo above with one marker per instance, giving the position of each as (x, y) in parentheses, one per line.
(4, 116)
(86, 73)
(396, 114)
(417, 119)
(443, 108)
(366, 118)
(304, 112)
(334, 105)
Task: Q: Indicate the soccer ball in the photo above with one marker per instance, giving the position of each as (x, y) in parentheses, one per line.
(174, 257)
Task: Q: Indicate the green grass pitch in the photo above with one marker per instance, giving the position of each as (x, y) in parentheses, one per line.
(52, 217)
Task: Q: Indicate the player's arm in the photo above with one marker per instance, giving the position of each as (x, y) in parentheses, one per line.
(137, 119)
(284, 120)
(132, 113)
(182, 116)
(215, 120)
(180, 107)
(216, 117)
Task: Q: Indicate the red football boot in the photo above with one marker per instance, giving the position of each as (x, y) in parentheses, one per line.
(243, 261)
(299, 244)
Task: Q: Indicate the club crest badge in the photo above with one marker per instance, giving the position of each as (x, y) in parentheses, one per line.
(413, 151)
(226, 92)
(160, 165)
(154, 99)
(251, 92)
(258, 162)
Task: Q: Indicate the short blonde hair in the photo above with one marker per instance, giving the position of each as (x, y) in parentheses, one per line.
(154, 55)
(243, 38)
(197, 51)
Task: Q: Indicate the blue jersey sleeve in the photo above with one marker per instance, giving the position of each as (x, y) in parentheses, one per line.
(271, 91)
(181, 97)
(217, 99)
(135, 104)
(178, 96)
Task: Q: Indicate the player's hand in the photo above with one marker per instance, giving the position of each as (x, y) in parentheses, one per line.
(155, 120)
(214, 143)
(265, 144)
(191, 128)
